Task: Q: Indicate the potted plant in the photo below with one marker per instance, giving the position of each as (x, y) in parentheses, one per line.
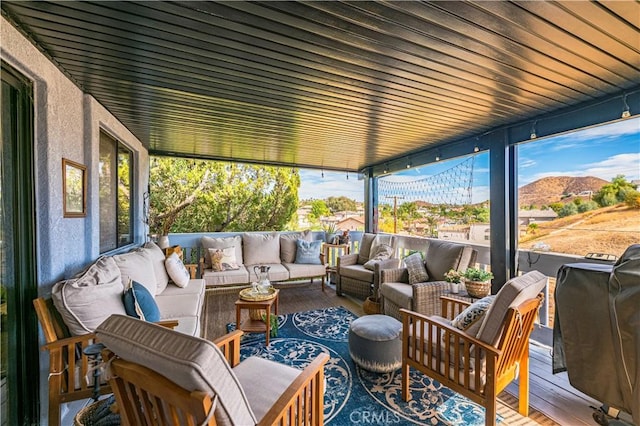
(454, 278)
(330, 230)
(478, 282)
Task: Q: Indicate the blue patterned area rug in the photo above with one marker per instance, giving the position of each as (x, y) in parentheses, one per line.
(355, 396)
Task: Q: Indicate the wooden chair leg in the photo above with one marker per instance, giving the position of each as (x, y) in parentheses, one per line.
(405, 382)
(523, 383)
(323, 283)
(491, 411)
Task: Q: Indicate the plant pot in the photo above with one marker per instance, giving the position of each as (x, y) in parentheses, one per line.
(454, 288)
(478, 289)
(163, 242)
(371, 306)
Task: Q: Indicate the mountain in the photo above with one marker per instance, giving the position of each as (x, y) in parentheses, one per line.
(556, 188)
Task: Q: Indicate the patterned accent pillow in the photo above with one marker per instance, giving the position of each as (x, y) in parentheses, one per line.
(416, 269)
(223, 259)
(139, 303)
(471, 318)
(308, 252)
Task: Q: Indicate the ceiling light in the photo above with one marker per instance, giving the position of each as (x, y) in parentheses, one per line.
(625, 111)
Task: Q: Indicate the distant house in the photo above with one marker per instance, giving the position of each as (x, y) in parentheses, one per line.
(526, 217)
(352, 223)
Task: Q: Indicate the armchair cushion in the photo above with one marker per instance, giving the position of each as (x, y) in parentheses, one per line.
(190, 362)
(380, 252)
(263, 390)
(399, 293)
(358, 272)
(512, 294)
(416, 268)
(441, 256)
(364, 252)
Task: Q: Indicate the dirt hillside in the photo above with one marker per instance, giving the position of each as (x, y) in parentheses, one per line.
(551, 189)
(607, 230)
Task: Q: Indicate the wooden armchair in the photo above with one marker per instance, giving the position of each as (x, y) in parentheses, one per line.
(68, 364)
(478, 367)
(161, 377)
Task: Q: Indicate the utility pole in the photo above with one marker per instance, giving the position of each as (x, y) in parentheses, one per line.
(395, 212)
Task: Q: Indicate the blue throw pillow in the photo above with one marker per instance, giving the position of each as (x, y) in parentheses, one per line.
(308, 252)
(139, 303)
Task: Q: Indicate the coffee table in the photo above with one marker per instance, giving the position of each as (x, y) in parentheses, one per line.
(256, 305)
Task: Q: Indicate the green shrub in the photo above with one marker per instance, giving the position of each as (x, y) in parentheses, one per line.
(474, 274)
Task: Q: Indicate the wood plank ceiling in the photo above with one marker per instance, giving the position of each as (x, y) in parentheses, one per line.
(333, 85)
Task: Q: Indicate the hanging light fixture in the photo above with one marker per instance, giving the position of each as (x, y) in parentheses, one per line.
(533, 130)
(625, 111)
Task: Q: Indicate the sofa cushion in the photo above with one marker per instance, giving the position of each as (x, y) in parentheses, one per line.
(157, 256)
(177, 271)
(441, 256)
(190, 362)
(139, 303)
(301, 270)
(75, 299)
(364, 251)
(512, 294)
(257, 374)
(308, 252)
(260, 249)
(221, 243)
(238, 276)
(183, 304)
(378, 253)
(288, 244)
(137, 266)
(416, 268)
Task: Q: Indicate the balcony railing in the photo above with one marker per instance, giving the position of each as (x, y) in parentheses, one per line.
(546, 262)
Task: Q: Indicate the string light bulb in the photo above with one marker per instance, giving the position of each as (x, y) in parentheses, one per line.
(476, 148)
(625, 111)
(438, 157)
(322, 170)
(533, 130)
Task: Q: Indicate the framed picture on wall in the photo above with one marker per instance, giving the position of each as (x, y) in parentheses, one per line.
(74, 187)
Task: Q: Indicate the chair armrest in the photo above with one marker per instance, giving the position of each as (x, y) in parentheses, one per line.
(347, 259)
(88, 338)
(426, 296)
(396, 275)
(229, 344)
(168, 323)
(293, 404)
(193, 269)
(378, 267)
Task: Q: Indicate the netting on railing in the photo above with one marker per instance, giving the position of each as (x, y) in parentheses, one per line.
(452, 186)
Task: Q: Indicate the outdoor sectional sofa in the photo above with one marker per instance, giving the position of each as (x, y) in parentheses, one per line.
(289, 256)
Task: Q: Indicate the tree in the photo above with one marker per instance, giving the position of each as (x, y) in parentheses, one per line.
(587, 206)
(632, 199)
(568, 210)
(319, 209)
(342, 203)
(614, 192)
(209, 196)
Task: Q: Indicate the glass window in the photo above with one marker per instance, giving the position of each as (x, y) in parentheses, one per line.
(116, 220)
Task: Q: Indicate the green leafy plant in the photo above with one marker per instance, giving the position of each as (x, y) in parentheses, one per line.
(273, 329)
(474, 274)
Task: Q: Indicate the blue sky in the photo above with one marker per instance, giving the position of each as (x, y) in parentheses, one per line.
(602, 151)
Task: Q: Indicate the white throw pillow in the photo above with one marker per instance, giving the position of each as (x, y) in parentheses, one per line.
(157, 258)
(177, 271)
(221, 243)
(471, 318)
(223, 259)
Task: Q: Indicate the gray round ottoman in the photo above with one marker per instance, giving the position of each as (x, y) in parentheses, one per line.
(374, 343)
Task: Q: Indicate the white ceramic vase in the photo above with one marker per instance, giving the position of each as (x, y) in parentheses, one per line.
(455, 288)
(163, 241)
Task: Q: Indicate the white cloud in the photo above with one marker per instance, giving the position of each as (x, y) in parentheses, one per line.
(333, 184)
(527, 163)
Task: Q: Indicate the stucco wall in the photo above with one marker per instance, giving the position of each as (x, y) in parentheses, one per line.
(67, 125)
